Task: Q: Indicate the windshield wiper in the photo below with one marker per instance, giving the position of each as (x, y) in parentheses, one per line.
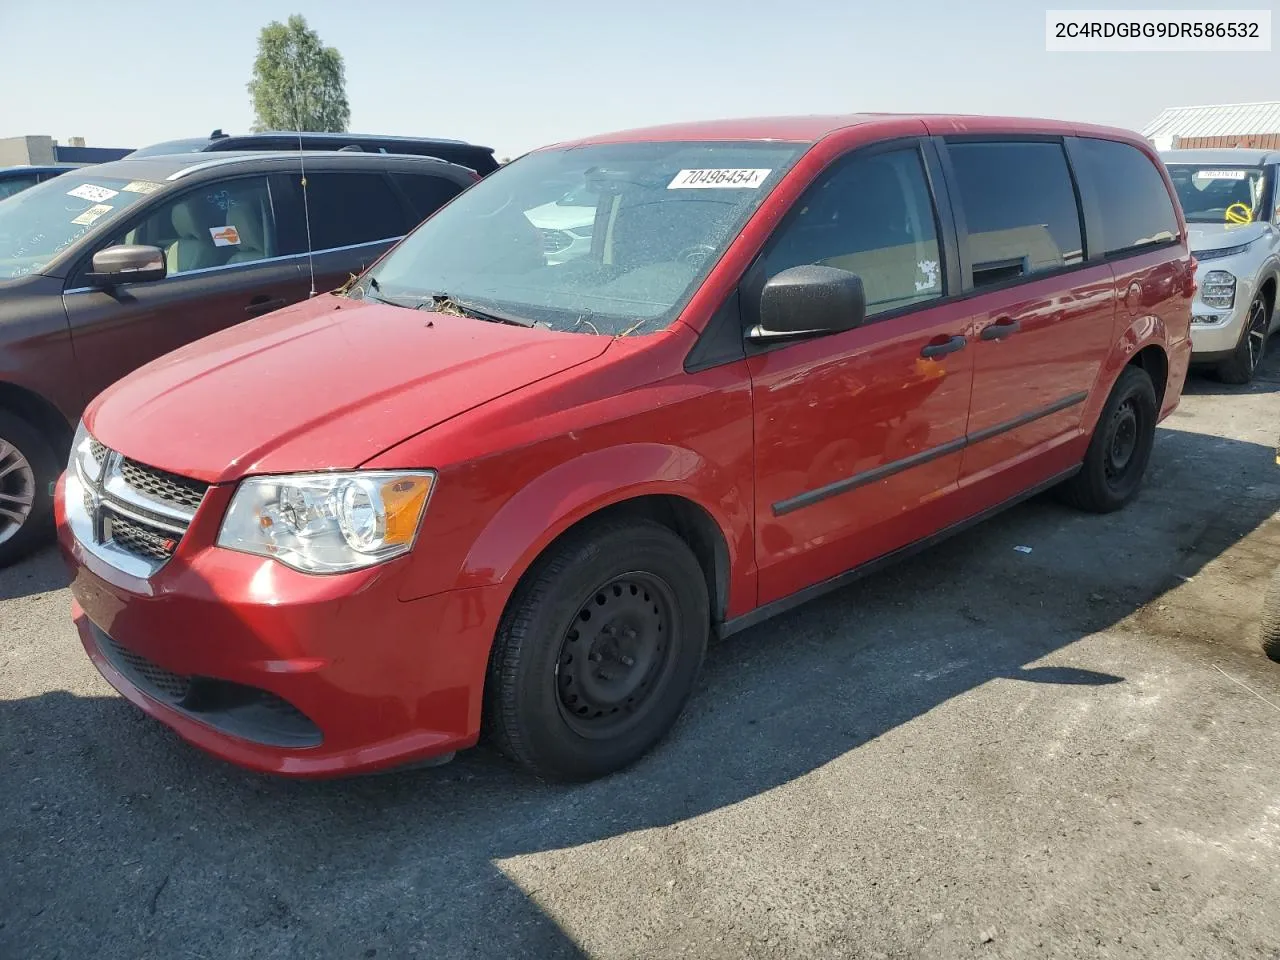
(444, 303)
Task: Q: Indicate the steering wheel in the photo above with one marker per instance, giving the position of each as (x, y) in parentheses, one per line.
(695, 253)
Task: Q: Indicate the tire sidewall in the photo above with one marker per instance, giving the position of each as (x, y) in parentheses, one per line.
(554, 744)
(44, 464)
(1136, 384)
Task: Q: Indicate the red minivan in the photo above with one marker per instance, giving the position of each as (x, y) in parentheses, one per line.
(511, 484)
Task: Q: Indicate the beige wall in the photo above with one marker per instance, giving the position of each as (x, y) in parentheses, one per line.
(15, 151)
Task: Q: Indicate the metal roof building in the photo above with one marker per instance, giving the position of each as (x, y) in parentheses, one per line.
(1218, 125)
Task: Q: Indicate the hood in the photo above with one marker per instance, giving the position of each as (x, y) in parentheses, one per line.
(325, 384)
(1215, 236)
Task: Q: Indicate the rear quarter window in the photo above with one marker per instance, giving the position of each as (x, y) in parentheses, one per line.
(427, 193)
(1134, 205)
(352, 208)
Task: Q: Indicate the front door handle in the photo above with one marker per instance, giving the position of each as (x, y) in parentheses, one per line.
(1001, 329)
(263, 304)
(933, 350)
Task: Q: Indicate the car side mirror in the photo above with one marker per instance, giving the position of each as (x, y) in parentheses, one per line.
(809, 301)
(127, 263)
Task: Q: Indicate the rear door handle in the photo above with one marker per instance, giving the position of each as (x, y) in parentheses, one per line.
(950, 345)
(1001, 329)
(263, 304)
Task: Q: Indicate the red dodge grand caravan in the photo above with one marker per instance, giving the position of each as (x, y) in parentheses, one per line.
(620, 396)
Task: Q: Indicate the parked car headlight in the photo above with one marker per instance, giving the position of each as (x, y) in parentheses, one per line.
(1220, 253)
(87, 455)
(1218, 290)
(327, 522)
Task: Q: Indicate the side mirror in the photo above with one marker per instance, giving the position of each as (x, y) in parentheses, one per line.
(127, 263)
(809, 301)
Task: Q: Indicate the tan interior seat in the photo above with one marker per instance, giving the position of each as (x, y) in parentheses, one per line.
(246, 216)
(194, 249)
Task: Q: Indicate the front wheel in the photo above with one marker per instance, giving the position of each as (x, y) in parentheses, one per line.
(1120, 447)
(1243, 363)
(598, 651)
(1271, 619)
(28, 469)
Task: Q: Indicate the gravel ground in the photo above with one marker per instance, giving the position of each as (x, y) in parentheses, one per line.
(981, 752)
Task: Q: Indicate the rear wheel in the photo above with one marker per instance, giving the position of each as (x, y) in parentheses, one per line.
(1271, 619)
(28, 470)
(598, 651)
(1120, 448)
(1240, 367)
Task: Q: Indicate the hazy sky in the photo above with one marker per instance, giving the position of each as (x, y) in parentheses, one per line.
(516, 75)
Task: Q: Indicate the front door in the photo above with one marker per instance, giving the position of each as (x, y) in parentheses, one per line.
(224, 265)
(1046, 319)
(858, 436)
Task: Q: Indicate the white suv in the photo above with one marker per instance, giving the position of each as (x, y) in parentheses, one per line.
(1233, 216)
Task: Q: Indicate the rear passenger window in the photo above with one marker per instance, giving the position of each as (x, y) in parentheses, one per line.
(1019, 207)
(350, 208)
(1134, 203)
(426, 193)
(872, 216)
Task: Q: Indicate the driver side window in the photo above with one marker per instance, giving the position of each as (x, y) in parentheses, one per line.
(873, 216)
(216, 224)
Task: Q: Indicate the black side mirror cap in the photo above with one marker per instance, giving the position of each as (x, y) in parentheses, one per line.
(809, 301)
(127, 263)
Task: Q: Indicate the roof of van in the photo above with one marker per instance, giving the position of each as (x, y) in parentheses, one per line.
(1253, 157)
(179, 165)
(810, 129)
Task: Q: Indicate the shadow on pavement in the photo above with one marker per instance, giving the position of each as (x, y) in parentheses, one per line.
(120, 840)
(41, 572)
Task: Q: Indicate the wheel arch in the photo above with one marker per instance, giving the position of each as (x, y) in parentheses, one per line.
(39, 412)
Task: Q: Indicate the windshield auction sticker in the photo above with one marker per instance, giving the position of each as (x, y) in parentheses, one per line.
(89, 191)
(141, 186)
(1219, 174)
(719, 179)
(93, 213)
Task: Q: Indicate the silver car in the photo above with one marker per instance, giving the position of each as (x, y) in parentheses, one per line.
(1233, 216)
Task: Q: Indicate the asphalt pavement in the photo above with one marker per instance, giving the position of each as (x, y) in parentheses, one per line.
(981, 752)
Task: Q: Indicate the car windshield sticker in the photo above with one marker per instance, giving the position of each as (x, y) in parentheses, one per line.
(227, 236)
(722, 179)
(1220, 174)
(1238, 213)
(93, 213)
(89, 191)
(141, 186)
(929, 271)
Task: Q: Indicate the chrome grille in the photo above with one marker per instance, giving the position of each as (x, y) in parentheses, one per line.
(137, 538)
(135, 515)
(162, 485)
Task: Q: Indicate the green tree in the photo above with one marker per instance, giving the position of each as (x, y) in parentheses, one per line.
(298, 83)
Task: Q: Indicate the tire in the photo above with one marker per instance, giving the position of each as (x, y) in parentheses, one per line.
(1270, 630)
(1243, 363)
(28, 470)
(559, 680)
(1119, 449)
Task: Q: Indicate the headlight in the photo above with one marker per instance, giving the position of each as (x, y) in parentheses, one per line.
(327, 522)
(88, 456)
(1203, 255)
(1218, 290)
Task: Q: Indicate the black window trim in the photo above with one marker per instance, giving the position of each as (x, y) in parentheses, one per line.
(723, 340)
(74, 282)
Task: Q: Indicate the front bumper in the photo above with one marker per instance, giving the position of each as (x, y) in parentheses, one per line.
(285, 672)
(1217, 340)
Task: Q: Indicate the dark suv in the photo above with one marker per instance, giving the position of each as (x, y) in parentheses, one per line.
(107, 267)
(478, 158)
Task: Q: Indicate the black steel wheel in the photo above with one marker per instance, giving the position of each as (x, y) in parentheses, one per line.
(598, 650)
(1120, 448)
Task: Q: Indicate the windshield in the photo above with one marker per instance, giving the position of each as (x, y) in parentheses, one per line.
(38, 224)
(610, 238)
(1219, 193)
